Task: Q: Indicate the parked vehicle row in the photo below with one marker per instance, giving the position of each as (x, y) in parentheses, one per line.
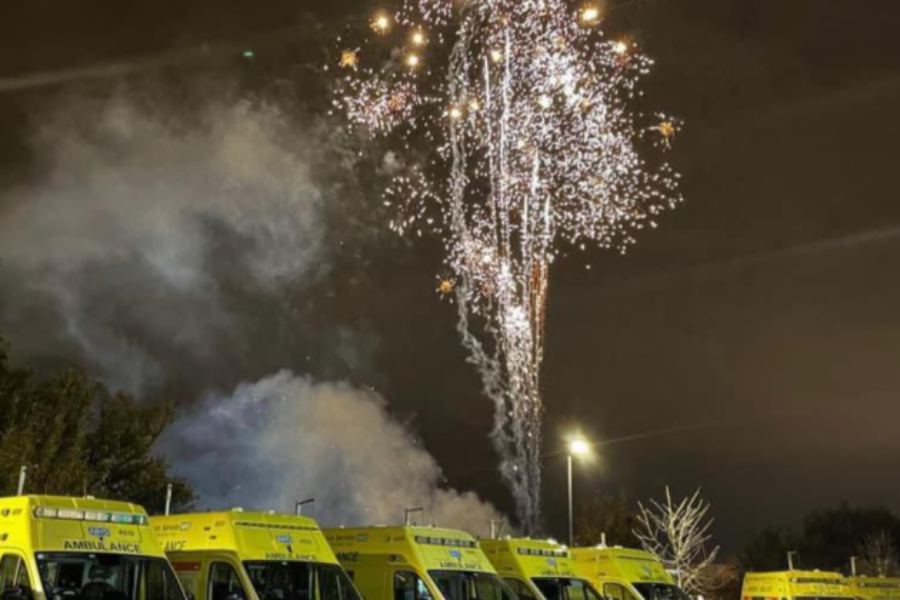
(62, 548)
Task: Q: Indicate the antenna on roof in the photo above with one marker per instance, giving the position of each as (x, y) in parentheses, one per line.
(853, 565)
(408, 513)
(790, 557)
(298, 506)
(168, 499)
(603, 539)
(497, 526)
(23, 473)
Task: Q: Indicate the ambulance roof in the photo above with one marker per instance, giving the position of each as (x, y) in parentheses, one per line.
(251, 535)
(65, 524)
(626, 564)
(876, 588)
(872, 581)
(796, 583)
(428, 548)
(529, 558)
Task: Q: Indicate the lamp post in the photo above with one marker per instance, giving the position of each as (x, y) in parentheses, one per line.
(578, 448)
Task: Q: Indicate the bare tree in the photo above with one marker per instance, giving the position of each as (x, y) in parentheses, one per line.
(878, 553)
(678, 534)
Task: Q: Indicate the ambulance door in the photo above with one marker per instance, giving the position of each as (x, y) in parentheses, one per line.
(406, 584)
(15, 581)
(189, 571)
(617, 591)
(521, 588)
(225, 580)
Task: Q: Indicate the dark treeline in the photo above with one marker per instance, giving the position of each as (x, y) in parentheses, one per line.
(827, 539)
(76, 438)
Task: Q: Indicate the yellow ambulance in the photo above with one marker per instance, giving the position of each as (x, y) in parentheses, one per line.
(416, 563)
(57, 548)
(537, 570)
(876, 588)
(237, 555)
(796, 585)
(626, 574)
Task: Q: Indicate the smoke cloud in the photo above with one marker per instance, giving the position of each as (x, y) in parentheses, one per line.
(139, 218)
(184, 249)
(287, 438)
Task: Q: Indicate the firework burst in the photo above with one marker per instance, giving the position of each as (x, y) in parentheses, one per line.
(526, 105)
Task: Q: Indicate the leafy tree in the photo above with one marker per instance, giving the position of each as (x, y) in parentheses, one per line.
(78, 440)
(120, 452)
(612, 517)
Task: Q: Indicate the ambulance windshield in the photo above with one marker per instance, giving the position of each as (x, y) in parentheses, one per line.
(660, 591)
(299, 581)
(83, 576)
(564, 588)
(465, 585)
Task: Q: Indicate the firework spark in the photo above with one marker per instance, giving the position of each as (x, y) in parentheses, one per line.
(349, 59)
(536, 149)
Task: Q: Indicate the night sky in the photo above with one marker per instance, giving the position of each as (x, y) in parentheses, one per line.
(761, 316)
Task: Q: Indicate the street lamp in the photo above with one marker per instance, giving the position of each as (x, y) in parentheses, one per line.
(578, 448)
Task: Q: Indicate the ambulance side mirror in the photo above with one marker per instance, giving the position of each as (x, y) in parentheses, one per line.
(190, 596)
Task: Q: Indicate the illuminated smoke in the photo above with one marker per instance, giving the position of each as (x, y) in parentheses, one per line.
(287, 438)
(122, 237)
(527, 106)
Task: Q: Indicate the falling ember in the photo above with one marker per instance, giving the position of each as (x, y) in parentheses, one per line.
(446, 286)
(667, 129)
(517, 143)
(349, 59)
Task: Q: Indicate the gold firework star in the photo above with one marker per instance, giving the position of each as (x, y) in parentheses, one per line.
(349, 59)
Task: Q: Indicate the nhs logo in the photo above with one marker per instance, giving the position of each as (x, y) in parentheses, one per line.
(551, 562)
(456, 554)
(98, 531)
(285, 539)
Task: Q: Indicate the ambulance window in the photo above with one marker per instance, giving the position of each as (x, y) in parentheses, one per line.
(564, 588)
(520, 589)
(614, 591)
(579, 590)
(224, 583)
(159, 583)
(333, 585)
(409, 586)
(14, 577)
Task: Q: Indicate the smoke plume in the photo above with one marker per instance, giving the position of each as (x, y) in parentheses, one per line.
(186, 249)
(139, 218)
(287, 438)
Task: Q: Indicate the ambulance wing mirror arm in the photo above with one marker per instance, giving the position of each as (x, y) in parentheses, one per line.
(17, 593)
(190, 596)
